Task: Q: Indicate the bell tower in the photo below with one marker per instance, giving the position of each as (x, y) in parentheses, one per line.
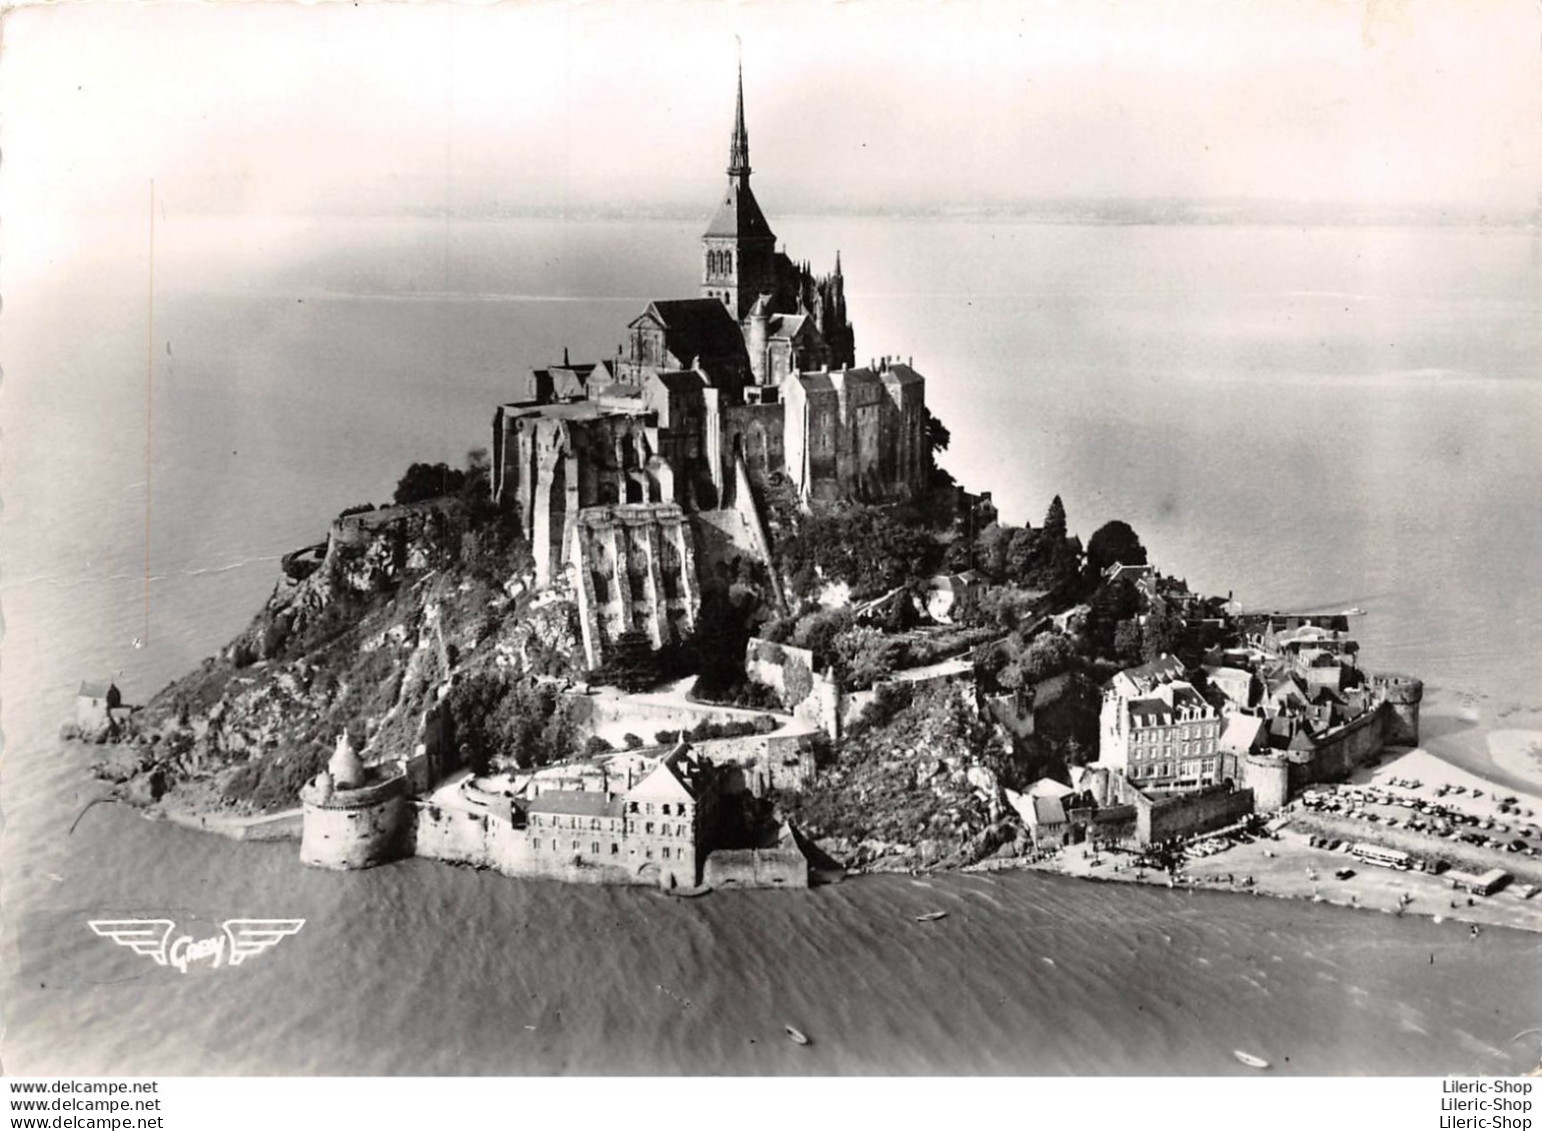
(738, 247)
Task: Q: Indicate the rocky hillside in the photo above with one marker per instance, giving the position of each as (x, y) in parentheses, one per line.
(913, 786)
(363, 640)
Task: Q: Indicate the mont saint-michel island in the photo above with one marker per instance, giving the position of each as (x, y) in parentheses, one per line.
(703, 611)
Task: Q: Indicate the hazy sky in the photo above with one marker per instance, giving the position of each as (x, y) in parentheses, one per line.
(380, 108)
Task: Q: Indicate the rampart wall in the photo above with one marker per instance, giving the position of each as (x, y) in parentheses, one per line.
(756, 868)
(1190, 813)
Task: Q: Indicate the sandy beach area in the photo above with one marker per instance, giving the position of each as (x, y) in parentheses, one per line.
(1517, 752)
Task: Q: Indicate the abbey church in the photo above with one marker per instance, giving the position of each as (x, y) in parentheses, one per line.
(628, 471)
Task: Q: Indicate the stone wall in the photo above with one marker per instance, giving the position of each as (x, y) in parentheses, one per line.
(1402, 694)
(1342, 750)
(756, 868)
(370, 550)
(775, 761)
(1113, 822)
(484, 840)
(812, 696)
(755, 433)
(356, 828)
(1268, 776)
(635, 570)
(611, 716)
(1190, 813)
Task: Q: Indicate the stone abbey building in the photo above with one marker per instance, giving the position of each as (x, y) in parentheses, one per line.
(629, 472)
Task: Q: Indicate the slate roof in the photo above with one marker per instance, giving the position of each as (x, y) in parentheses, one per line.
(1240, 733)
(1150, 712)
(785, 325)
(577, 804)
(739, 216)
(1048, 811)
(901, 375)
(697, 328)
(816, 382)
(680, 380)
(1163, 668)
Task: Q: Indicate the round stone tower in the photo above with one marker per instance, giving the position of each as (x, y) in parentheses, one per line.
(353, 816)
(1268, 777)
(1402, 694)
(759, 319)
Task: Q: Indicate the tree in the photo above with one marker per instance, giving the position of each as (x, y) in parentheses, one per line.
(1048, 655)
(818, 630)
(1114, 542)
(1023, 553)
(1161, 635)
(632, 665)
(1054, 529)
(1127, 641)
(428, 481)
(937, 435)
(865, 656)
(1108, 606)
(992, 545)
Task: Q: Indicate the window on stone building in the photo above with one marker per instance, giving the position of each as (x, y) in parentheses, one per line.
(594, 848)
(615, 849)
(649, 829)
(666, 852)
(664, 809)
(631, 806)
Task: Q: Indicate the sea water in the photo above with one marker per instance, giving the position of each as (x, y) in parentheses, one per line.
(1317, 418)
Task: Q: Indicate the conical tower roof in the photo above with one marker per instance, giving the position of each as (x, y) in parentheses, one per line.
(739, 216)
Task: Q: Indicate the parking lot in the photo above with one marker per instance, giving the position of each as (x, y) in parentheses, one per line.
(1451, 812)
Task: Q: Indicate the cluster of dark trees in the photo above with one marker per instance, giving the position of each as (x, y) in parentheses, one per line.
(1046, 558)
(424, 481)
(1049, 558)
(530, 721)
(872, 549)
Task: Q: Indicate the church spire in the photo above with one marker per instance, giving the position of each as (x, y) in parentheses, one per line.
(739, 148)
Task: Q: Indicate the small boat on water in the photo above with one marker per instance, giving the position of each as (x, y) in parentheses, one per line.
(931, 916)
(1249, 1059)
(796, 1036)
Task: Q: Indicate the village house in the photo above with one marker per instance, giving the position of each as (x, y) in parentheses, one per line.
(951, 596)
(1157, 730)
(95, 703)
